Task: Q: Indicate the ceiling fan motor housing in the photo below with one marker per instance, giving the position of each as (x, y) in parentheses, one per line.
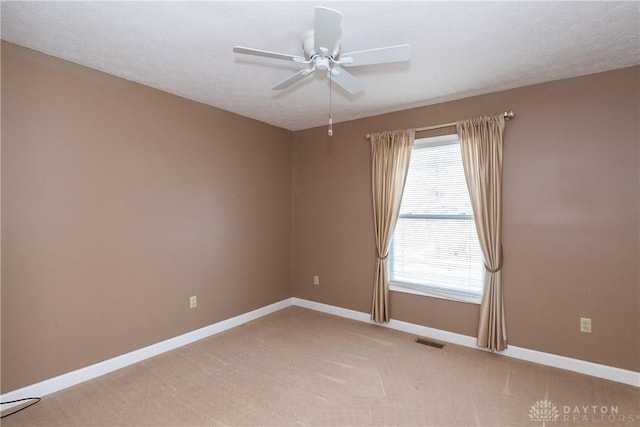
(322, 60)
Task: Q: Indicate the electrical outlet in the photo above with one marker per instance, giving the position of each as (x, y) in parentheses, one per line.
(585, 325)
(316, 280)
(193, 301)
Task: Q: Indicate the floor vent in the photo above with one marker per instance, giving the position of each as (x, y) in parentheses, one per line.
(429, 343)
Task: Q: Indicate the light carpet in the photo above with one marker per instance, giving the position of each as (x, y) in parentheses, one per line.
(302, 367)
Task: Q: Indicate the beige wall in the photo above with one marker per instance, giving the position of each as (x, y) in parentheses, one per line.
(571, 218)
(119, 202)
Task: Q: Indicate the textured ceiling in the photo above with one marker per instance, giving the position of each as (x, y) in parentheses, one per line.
(458, 49)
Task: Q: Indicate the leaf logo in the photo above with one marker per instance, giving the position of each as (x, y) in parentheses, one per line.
(543, 410)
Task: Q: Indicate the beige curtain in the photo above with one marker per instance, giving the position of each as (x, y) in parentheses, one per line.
(390, 155)
(481, 144)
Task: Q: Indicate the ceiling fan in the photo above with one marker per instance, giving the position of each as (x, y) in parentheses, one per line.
(321, 48)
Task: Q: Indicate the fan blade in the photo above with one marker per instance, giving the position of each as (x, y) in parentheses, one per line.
(266, 53)
(376, 56)
(294, 79)
(326, 29)
(346, 80)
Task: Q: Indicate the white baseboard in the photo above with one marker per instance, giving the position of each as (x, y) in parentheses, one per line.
(69, 379)
(548, 359)
(93, 371)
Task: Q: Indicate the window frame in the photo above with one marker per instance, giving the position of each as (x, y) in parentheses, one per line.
(433, 290)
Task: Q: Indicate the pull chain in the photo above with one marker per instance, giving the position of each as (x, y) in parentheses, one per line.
(330, 130)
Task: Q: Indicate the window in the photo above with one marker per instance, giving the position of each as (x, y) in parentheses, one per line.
(435, 248)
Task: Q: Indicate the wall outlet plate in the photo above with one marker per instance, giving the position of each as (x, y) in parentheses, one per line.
(193, 301)
(585, 325)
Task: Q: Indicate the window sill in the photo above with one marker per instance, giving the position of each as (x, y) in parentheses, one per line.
(430, 292)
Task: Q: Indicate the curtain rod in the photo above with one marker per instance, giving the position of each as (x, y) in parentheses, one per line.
(507, 115)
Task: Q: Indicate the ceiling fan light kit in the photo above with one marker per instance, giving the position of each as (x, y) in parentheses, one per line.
(322, 52)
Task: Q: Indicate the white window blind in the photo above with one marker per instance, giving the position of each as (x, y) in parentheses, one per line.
(435, 247)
